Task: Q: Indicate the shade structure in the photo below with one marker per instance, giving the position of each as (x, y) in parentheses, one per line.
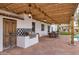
(51, 12)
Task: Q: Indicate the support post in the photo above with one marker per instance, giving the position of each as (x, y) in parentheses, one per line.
(58, 28)
(69, 29)
(69, 32)
(72, 31)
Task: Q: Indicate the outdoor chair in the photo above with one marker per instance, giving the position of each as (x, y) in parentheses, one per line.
(53, 34)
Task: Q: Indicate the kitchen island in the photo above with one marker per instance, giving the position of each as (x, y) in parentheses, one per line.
(27, 41)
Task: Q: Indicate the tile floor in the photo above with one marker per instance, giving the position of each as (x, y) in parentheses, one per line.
(47, 46)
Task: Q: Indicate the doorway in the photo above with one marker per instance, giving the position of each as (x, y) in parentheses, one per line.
(33, 26)
(9, 26)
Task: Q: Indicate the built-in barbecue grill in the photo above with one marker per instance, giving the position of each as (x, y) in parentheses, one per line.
(25, 32)
(26, 38)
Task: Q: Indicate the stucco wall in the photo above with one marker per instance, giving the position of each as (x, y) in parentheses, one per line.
(26, 23)
(1, 34)
(38, 28)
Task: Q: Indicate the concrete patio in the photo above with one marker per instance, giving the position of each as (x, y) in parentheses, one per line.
(47, 46)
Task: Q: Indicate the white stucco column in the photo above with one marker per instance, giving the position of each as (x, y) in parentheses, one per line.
(1, 34)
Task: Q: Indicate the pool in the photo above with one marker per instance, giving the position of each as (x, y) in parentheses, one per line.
(76, 37)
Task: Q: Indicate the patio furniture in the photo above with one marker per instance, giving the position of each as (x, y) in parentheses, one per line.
(53, 34)
(49, 34)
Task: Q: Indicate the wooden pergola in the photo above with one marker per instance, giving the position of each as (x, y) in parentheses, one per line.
(50, 13)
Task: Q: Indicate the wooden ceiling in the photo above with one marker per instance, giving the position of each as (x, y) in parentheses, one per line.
(51, 12)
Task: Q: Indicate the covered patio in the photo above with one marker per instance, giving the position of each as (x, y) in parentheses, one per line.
(33, 22)
(47, 46)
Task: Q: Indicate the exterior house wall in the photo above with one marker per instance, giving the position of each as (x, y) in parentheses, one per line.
(1, 34)
(38, 28)
(26, 23)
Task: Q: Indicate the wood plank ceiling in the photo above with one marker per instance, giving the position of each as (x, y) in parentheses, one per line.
(52, 13)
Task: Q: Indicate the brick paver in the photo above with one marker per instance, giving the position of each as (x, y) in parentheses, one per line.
(47, 46)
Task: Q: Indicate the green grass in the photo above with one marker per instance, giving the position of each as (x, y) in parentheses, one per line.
(64, 33)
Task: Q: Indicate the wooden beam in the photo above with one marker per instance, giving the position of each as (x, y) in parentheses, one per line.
(43, 12)
(40, 20)
(4, 14)
(72, 31)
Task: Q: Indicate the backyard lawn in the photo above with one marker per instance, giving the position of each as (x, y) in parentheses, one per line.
(64, 33)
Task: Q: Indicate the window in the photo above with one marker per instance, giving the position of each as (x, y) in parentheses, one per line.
(42, 27)
(48, 28)
(33, 26)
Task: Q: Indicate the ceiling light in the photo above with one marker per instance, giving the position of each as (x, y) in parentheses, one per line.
(45, 20)
(30, 13)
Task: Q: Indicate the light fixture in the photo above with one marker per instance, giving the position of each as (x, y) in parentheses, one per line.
(30, 13)
(45, 20)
